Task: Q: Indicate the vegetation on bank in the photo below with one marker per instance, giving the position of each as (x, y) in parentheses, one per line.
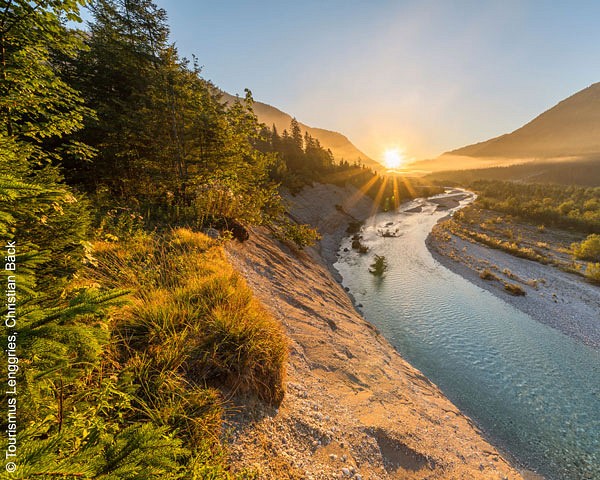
(584, 172)
(127, 334)
(132, 328)
(569, 207)
(131, 383)
(566, 249)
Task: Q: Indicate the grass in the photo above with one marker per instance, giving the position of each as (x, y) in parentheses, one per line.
(486, 274)
(192, 335)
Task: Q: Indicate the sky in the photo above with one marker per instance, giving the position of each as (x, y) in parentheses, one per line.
(421, 76)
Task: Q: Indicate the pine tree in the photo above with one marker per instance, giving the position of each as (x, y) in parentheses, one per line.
(38, 113)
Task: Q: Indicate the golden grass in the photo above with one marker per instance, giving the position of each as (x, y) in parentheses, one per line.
(192, 333)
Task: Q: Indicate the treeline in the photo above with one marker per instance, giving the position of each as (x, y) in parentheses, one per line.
(563, 206)
(165, 142)
(583, 172)
(301, 160)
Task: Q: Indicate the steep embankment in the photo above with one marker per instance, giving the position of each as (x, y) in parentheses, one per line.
(353, 406)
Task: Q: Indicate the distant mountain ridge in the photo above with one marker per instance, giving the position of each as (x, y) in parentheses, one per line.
(569, 130)
(340, 145)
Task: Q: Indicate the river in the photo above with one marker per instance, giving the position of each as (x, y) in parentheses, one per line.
(534, 391)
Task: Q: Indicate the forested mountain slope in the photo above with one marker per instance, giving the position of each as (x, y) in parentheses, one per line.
(341, 147)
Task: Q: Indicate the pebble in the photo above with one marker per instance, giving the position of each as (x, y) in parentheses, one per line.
(333, 456)
(358, 476)
(346, 472)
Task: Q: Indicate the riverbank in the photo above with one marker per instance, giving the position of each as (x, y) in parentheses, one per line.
(354, 408)
(562, 300)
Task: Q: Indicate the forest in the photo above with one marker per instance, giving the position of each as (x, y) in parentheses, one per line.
(132, 329)
(570, 207)
(584, 172)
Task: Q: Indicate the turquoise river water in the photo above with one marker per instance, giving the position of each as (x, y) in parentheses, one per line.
(534, 391)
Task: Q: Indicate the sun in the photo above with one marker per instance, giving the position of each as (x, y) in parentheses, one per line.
(393, 158)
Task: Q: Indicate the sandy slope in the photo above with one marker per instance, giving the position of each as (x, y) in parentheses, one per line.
(354, 408)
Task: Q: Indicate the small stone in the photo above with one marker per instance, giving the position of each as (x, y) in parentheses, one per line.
(333, 457)
(345, 472)
(211, 233)
(358, 476)
(344, 458)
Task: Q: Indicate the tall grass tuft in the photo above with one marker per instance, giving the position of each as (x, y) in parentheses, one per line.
(192, 328)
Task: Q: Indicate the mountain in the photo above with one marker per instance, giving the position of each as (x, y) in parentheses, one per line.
(340, 145)
(569, 130)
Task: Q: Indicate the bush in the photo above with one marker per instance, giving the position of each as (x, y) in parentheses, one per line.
(379, 266)
(588, 249)
(486, 274)
(301, 235)
(592, 272)
(514, 289)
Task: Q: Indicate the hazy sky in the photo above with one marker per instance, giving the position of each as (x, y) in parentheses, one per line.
(426, 76)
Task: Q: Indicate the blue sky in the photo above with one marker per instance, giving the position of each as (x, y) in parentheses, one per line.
(425, 76)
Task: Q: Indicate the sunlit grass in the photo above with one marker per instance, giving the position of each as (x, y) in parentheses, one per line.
(192, 335)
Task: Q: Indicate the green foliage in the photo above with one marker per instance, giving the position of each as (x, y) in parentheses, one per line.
(592, 272)
(588, 249)
(563, 206)
(301, 235)
(125, 455)
(92, 402)
(379, 266)
(167, 142)
(38, 113)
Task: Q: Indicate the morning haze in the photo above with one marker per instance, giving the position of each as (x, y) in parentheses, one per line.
(427, 77)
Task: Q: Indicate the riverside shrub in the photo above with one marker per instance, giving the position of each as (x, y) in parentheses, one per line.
(588, 249)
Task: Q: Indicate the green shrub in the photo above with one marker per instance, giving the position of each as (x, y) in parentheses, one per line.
(588, 249)
(592, 272)
(379, 266)
(301, 235)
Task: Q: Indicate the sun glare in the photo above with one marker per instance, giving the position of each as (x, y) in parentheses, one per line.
(393, 158)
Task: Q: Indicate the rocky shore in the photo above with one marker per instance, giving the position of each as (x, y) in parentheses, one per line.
(354, 408)
(562, 300)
